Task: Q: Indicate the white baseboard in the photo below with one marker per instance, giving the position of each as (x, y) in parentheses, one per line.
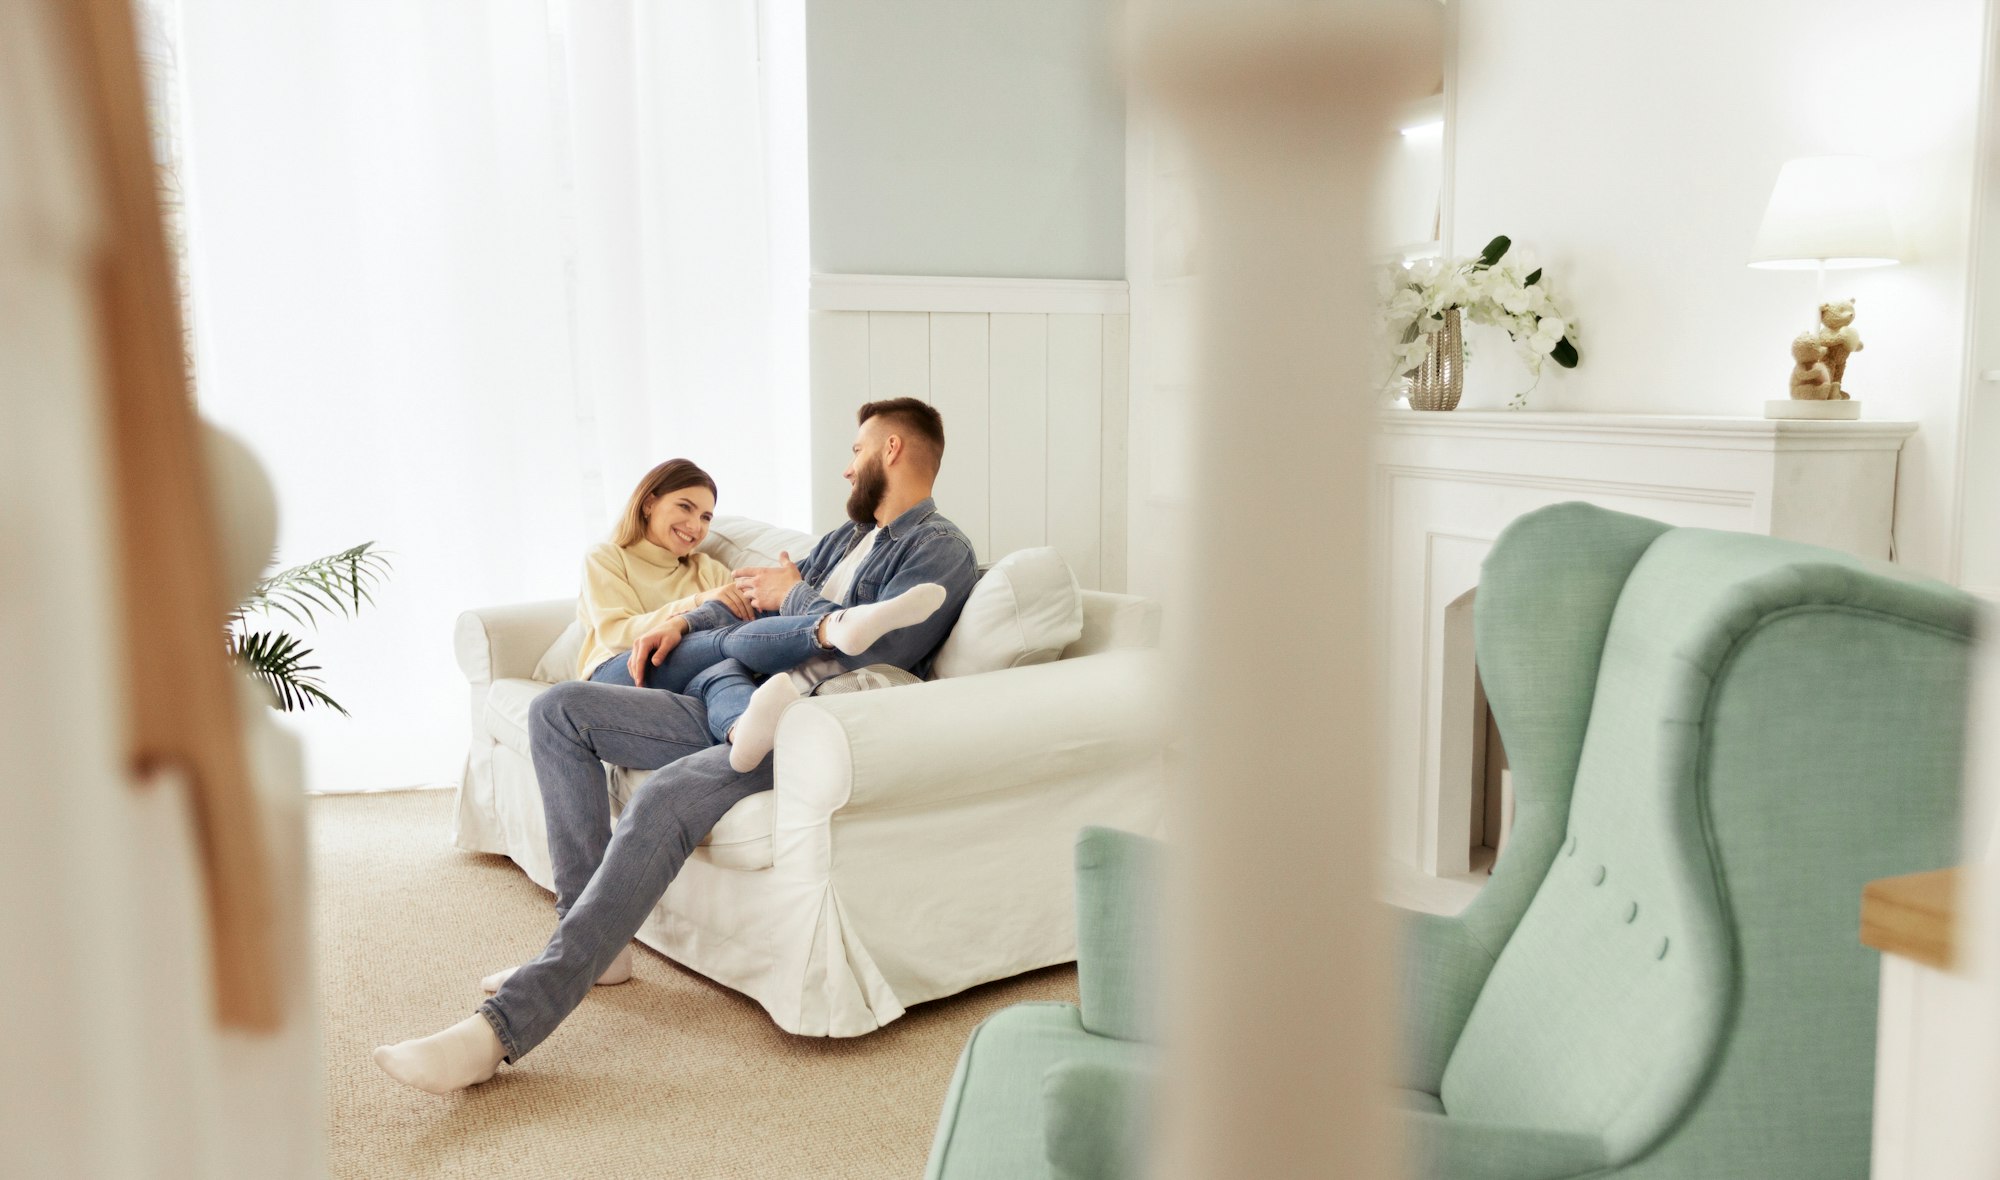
(836, 292)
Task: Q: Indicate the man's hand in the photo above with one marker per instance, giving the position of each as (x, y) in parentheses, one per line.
(652, 647)
(733, 598)
(767, 585)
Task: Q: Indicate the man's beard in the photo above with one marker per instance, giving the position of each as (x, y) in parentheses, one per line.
(871, 483)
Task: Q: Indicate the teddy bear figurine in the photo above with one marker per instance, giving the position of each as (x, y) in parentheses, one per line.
(1811, 379)
(1838, 337)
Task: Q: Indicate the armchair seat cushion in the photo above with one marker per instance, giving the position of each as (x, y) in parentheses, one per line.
(1435, 1145)
(992, 1126)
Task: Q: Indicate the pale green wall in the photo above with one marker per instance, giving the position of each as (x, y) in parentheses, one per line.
(965, 137)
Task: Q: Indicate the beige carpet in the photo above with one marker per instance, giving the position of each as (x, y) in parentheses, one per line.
(667, 1076)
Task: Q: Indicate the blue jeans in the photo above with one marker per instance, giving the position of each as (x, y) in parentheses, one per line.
(608, 879)
(722, 666)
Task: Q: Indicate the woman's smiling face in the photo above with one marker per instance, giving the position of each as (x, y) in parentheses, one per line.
(677, 521)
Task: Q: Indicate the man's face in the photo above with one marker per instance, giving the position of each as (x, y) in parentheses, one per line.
(869, 477)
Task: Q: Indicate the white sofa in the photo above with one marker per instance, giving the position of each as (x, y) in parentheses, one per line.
(918, 841)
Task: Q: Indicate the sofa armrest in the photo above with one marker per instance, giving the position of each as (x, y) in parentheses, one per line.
(1115, 621)
(502, 642)
(970, 735)
(1117, 927)
(1094, 1117)
(1443, 969)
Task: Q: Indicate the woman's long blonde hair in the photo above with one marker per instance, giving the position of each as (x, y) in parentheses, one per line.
(671, 476)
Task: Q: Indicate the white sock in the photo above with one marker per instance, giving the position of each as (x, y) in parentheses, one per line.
(465, 1054)
(856, 629)
(619, 971)
(755, 732)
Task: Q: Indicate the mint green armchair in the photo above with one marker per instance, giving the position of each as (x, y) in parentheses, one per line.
(1716, 739)
(1059, 1090)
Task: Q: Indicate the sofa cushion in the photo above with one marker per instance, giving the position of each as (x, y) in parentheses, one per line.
(559, 662)
(738, 541)
(865, 679)
(1025, 610)
(740, 840)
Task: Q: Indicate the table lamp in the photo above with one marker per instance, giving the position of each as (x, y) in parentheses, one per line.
(1826, 213)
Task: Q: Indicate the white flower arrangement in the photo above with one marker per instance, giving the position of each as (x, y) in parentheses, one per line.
(1415, 296)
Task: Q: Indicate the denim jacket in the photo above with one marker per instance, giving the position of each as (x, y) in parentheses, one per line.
(919, 546)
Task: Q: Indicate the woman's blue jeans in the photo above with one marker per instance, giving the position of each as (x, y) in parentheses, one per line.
(721, 666)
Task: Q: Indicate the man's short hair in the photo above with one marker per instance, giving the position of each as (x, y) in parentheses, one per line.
(913, 419)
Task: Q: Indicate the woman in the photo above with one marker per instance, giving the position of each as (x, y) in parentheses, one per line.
(649, 571)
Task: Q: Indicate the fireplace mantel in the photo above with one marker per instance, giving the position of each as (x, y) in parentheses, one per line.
(1447, 483)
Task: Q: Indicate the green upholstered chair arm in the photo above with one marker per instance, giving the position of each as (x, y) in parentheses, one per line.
(1443, 968)
(1439, 1147)
(1094, 1119)
(1117, 894)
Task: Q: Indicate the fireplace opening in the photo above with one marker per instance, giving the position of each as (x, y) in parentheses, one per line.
(1472, 765)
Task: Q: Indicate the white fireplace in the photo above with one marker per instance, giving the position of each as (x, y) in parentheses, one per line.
(1449, 482)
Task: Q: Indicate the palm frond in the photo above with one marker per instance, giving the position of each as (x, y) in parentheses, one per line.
(338, 584)
(279, 660)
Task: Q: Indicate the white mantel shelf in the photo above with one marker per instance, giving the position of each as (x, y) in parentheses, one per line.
(1652, 430)
(1448, 482)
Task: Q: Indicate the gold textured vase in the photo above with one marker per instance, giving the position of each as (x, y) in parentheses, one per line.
(1438, 382)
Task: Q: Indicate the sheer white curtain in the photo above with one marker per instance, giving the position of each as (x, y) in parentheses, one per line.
(462, 270)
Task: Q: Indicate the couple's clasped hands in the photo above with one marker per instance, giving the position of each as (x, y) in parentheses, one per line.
(755, 588)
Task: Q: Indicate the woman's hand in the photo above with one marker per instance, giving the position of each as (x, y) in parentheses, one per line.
(654, 646)
(732, 596)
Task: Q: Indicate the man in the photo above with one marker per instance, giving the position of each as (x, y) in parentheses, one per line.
(608, 880)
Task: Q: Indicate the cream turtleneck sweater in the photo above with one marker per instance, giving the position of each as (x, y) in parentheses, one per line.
(628, 592)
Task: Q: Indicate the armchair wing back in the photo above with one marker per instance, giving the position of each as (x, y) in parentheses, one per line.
(1717, 739)
(1546, 595)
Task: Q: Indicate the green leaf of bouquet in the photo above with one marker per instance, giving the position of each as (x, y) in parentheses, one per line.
(1564, 353)
(1532, 279)
(1495, 250)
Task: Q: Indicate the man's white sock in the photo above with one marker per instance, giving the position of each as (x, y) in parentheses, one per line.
(756, 731)
(619, 971)
(856, 629)
(465, 1054)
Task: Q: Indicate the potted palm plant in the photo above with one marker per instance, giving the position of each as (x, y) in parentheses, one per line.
(336, 585)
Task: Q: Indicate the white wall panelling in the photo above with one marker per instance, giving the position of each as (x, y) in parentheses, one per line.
(1076, 440)
(1018, 351)
(899, 355)
(1116, 480)
(839, 385)
(1449, 483)
(958, 389)
(922, 293)
(1031, 379)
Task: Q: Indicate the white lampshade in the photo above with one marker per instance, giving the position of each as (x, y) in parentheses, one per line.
(1827, 210)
